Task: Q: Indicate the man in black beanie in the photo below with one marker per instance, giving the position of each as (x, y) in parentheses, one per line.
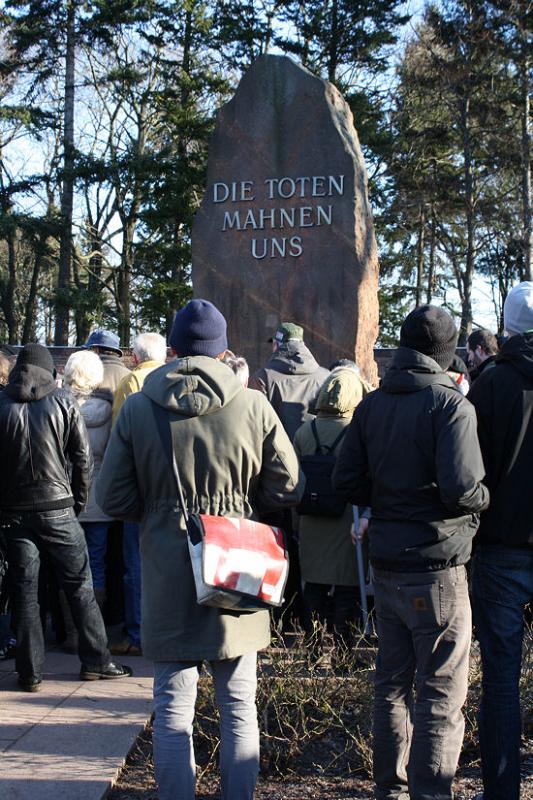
(45, 475)
(412, 454)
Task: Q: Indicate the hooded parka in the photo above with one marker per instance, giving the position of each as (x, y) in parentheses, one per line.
(234, 459)
(291, 380)
(327, 554)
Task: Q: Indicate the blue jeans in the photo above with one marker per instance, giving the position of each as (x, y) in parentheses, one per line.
(132, 581)
(96, 536)
(58, 534)
(502, 585)
(175, 686)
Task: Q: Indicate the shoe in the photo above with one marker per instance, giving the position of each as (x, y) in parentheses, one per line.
(125, 648)
(8, 651)
(70, 645)
(108, 672)
(32, 685)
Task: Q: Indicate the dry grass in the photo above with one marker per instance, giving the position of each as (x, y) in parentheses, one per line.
(315, 723)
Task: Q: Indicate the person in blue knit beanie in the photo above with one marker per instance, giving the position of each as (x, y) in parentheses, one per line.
(235, 460)
(199, 329)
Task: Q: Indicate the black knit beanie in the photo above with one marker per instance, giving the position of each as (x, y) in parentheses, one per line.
(430, 330)
(38, 356)
(199, 329)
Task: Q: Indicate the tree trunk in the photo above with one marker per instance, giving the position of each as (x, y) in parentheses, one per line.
(67, 193)
(527, 233)
(333, 42)
(420, 255)
(432, 250)
(11, 290)
(28, 331)
(123, 283)
(468, 272)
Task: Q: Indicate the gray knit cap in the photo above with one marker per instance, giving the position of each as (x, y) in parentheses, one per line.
(518, 308)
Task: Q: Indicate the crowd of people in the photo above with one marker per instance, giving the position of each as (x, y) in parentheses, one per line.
(433, 464)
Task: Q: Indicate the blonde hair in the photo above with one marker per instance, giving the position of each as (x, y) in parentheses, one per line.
(5, 369)
(83, 372)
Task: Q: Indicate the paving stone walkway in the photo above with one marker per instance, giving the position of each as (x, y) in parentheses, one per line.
(69, 741)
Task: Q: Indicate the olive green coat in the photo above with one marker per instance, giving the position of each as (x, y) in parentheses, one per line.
(234, 459)
(327, 554)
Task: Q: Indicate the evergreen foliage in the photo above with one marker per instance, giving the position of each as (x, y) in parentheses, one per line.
(107, 106)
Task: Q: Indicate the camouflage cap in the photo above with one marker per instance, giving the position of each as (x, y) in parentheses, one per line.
(286, 331)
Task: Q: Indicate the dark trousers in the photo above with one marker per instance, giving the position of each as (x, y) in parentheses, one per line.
(59, 535)
(502, 585)
(292, 614)
(341, 608)
(424, 631)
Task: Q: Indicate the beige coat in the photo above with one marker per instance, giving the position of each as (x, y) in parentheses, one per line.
(234, 459)
(114, 371)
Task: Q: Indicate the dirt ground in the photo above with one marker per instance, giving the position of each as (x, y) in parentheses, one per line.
(136, 781)
(315, 731)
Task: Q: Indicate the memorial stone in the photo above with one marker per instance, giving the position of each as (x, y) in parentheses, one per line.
(284, 231)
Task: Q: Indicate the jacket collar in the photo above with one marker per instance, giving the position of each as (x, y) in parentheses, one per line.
(293, 358)
(412, 371)
(518, 351)
(29, 382)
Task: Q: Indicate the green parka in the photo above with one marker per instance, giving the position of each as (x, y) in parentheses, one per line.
(234, 459)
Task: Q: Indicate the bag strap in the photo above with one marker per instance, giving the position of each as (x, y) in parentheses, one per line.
(329, 447)
(164, 428)
(339, 437)
(315, 434)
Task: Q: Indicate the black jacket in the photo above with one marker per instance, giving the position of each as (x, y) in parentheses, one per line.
(503, 399)
(291, 380)
(477, 371)
(43, 436)
(412, 454)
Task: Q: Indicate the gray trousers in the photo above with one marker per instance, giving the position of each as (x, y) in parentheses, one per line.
(175, 687)
(424, 629)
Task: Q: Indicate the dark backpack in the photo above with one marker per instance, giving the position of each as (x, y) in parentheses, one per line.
(319, 498)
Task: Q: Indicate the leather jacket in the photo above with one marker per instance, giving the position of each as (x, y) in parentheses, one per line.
(46, 459)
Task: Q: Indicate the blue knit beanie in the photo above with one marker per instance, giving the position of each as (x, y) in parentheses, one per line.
(199, 329)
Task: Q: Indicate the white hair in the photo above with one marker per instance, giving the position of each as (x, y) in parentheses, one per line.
(239, 366)
(83, 372)
(150, 347)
